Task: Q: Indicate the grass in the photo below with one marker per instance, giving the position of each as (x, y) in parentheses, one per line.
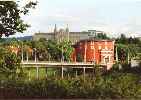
(32, 72)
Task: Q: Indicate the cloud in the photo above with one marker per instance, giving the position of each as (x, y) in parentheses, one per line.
(111, 16)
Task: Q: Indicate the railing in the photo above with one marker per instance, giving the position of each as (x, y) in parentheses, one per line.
(61, 65)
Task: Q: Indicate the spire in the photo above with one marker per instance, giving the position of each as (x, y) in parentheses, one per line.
(55, 32)
(67, 31)
(55, 29)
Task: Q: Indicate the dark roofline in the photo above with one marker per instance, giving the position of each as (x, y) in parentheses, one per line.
(78, 32)
(95, 40)
(91, 30)
(44, 33)
(69, 32)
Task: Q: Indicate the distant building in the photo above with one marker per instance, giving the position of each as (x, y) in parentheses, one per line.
(62, 34)
(97, 51)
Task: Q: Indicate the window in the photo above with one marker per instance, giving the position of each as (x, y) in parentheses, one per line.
(107, 60)
(92, 47)
(106, 43)
(92, 43)
(99, 47)
(106, 47)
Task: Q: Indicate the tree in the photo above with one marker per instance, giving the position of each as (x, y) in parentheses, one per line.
(102, 36)
(125, 51)
(41, 47)
(10, 17)
(66, 48)
(54, 50)
(122, 39)
(9, 63)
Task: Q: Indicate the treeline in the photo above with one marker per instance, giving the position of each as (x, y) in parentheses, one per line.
(128, 40)
(128, 48)
(45, 50)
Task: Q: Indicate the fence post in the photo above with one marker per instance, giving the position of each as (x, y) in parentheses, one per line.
(76, 73)
(84, 72)
(29, 74)
(46, 72)
(62, 72)
(37, 72)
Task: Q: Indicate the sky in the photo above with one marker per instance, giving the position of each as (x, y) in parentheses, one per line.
(111, 16)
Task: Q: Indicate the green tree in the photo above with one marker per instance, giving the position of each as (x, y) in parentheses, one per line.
(122, 39)
(102, 36)
(9, 63)
(125, 51)
(41, 47)
(66, 48)
(10, 17)
(53, 50)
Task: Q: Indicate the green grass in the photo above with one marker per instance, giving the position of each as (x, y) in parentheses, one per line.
(42, 72)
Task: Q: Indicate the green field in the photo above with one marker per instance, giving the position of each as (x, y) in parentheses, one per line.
(31, 73)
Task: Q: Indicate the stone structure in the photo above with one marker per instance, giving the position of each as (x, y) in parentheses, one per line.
(62, 34)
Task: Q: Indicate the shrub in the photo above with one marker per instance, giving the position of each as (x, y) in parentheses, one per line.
(9, 63)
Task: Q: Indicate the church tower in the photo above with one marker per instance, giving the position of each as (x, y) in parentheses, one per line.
(55, 32)
(67, 32)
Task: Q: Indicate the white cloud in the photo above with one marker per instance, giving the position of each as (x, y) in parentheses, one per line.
(111, 16)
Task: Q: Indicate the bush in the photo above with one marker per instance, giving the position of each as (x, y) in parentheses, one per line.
(9, 63)
(114, 85)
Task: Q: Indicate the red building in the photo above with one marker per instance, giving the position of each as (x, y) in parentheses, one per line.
(98, 51)
(14, 49)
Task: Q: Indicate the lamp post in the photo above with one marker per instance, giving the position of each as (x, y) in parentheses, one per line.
(62, 58)
(48, 54)
(35, 57)
(22, 52)
(27, 54)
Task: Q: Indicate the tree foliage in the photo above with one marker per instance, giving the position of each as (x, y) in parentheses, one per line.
(10, 17)
(125, 40)
(102, 36)
(9, 62)
(110, 86)
(66, 48)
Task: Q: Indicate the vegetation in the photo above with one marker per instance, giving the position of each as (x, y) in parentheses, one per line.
(15, 82)
(9, 64)
(10, 17)
(113, 84)
(102, 36)
(49, 50)
(128, 48)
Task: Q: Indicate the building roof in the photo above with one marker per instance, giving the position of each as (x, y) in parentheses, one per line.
(93, 39)
(79, 32)
(44, 33)
(51, 33)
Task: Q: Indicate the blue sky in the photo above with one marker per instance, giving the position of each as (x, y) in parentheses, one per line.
(111, 16)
